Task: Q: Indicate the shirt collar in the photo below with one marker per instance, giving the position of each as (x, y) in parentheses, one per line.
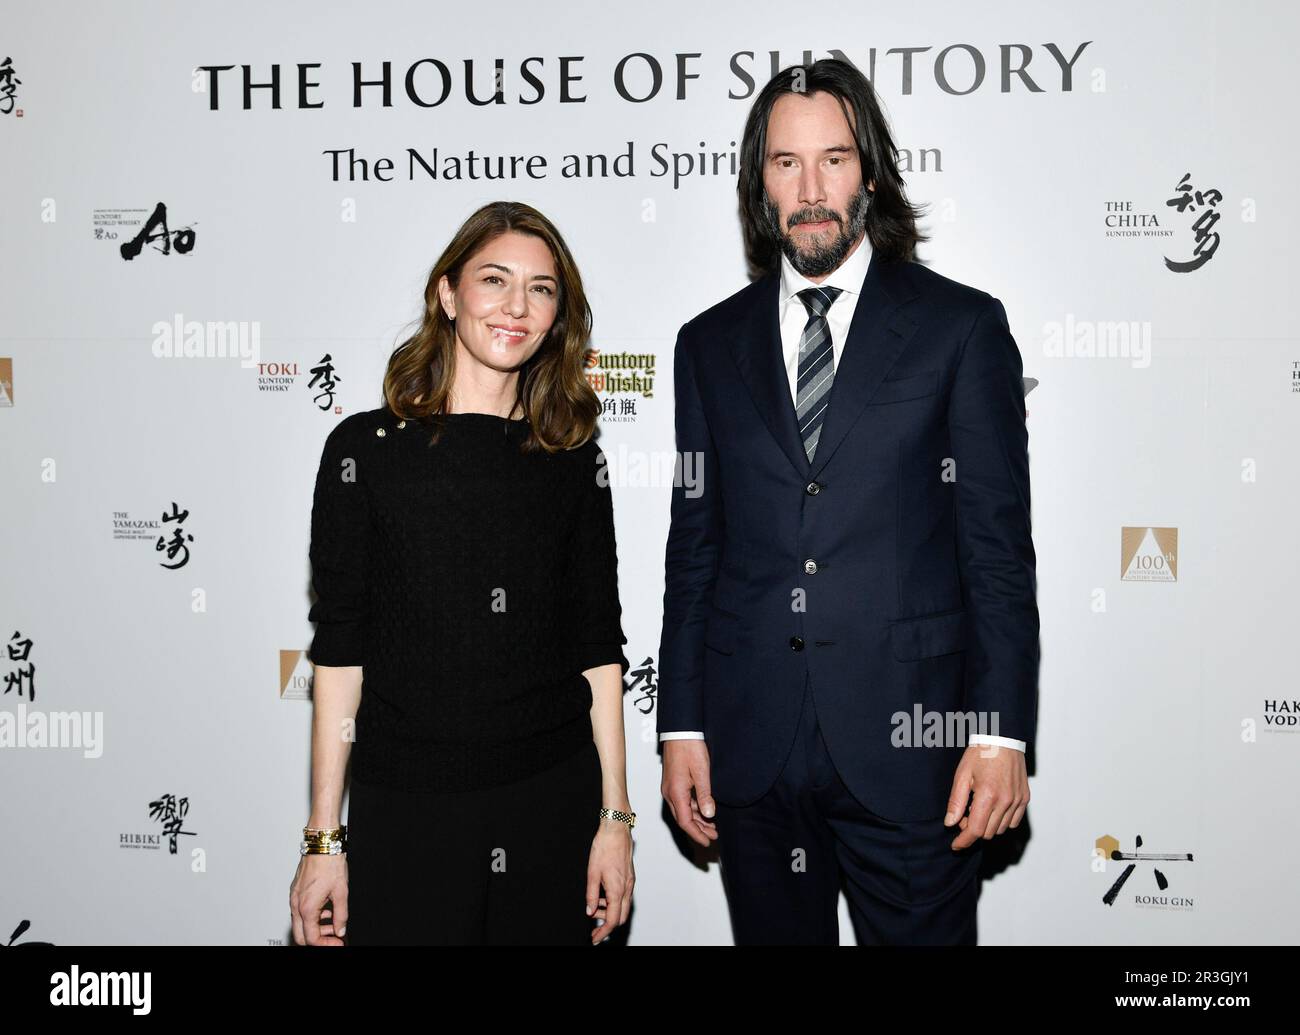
(848, 276)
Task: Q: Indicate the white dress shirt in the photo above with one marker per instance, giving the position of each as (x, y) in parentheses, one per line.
(848, 277)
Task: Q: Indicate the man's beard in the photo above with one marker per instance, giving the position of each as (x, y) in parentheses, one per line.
(822, 257)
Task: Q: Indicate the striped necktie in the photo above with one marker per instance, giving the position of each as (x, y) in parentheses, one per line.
(816, 366)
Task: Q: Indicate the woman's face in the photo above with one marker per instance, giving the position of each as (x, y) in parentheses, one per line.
(506, 301)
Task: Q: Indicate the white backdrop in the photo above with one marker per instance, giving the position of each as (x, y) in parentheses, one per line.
(1156, 695)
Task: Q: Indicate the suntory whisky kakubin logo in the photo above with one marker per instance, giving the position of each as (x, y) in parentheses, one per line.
(620, 380)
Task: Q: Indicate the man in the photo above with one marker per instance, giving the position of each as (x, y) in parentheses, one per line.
(859, 556)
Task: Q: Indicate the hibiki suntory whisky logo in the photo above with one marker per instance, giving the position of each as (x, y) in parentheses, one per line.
(619, 380)
(114, 224)
(170, 812)
(1184, 221)
(1148, 554)
(1108, 850)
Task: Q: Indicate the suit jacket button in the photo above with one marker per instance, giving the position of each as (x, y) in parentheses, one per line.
(796, 643)
(812, 488)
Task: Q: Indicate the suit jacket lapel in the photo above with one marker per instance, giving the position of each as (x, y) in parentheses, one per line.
(757, 354)
(877, 336)
(878, 333)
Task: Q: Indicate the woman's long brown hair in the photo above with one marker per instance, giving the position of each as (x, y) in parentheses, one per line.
(553, 391)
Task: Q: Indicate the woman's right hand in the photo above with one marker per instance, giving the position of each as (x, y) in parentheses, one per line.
(318, 899)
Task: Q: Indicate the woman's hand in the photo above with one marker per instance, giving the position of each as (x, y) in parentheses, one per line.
(318, 899)
(610, 867)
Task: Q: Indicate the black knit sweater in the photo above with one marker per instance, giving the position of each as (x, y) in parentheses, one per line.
(474, 584)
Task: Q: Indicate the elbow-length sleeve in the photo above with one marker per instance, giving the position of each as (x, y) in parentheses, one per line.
(594, 566)
(339, 553)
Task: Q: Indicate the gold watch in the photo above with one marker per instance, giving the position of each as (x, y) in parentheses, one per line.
(623, 817)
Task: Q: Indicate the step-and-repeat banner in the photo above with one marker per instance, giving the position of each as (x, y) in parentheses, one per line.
(216, 226)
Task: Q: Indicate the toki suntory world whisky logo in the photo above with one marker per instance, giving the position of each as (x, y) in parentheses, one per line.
(619, 380)
(1148, 554)
(1107, 850)
(9, 83)
(641, 686)
(314, 380)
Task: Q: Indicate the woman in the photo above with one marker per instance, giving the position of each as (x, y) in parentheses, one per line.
(464, 562)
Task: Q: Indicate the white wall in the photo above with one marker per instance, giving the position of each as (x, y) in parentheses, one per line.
(1144, 686)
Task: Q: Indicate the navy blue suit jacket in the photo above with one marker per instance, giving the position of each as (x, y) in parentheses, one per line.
(915, 512)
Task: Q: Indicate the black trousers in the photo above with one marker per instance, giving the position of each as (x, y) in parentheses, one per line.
(506, 865)
(786, 856)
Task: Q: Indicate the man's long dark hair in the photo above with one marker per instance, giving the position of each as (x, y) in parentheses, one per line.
(891, 218)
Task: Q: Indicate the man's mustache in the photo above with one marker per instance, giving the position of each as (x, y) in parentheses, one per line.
(813, 217)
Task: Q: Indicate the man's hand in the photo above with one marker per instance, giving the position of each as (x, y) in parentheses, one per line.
(998, 777)
(686, 769)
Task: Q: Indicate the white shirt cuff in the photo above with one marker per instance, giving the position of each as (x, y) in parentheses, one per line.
(988, 738)
(975, 738)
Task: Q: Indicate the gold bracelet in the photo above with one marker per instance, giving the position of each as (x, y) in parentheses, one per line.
(332, 841)
(623, 817)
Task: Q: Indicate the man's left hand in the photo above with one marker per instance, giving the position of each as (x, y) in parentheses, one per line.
(1000, 783)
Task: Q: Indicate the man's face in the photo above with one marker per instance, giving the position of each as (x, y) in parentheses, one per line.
(815, 201)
